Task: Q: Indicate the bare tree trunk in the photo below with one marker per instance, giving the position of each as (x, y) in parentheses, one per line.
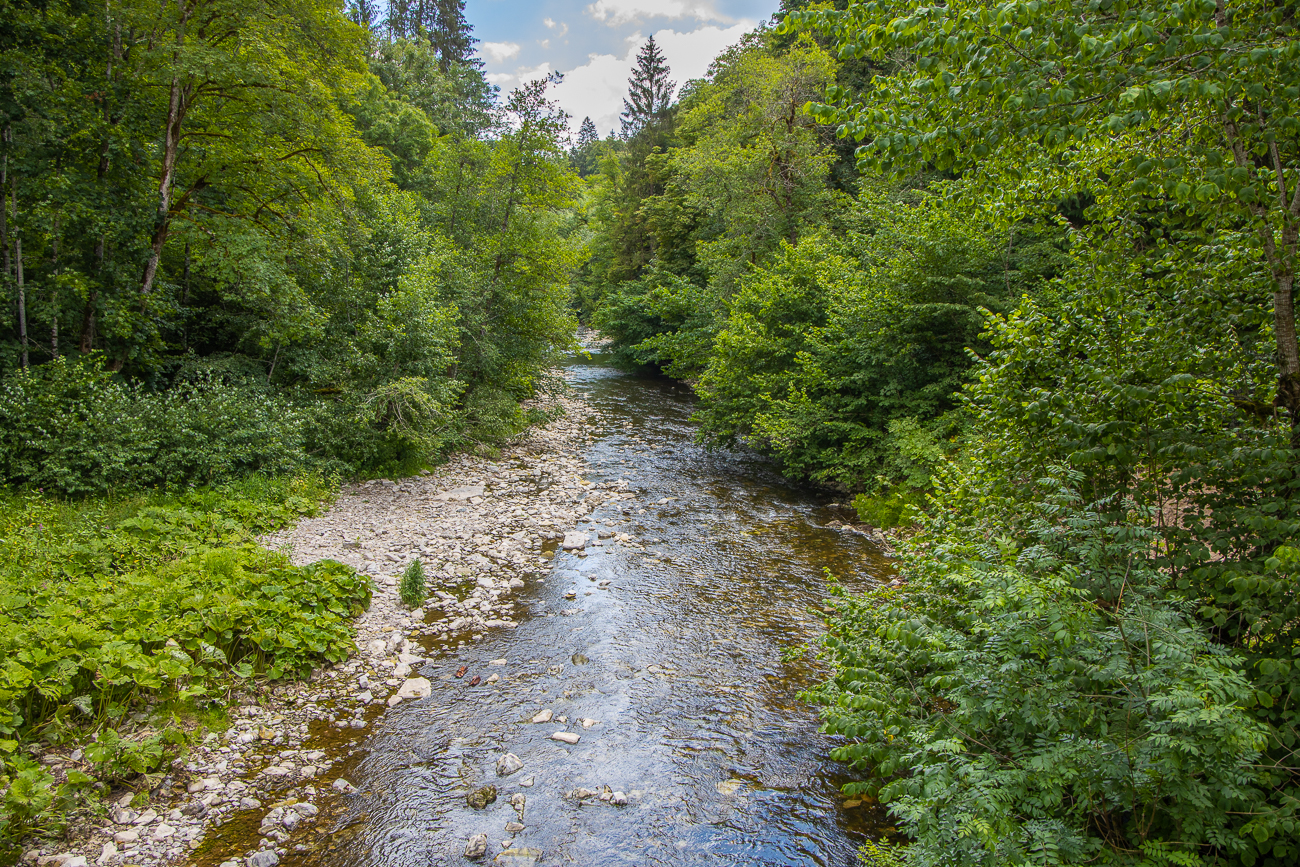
(22, 302)
(54, 294)
(1288, 351)
(171, 149)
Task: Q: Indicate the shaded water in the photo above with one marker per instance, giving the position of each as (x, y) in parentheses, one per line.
(679, 657)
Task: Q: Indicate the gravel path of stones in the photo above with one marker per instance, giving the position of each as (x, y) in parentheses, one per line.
(481, 528)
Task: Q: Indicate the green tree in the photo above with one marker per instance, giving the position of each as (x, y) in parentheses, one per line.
(1187, 108)
(649, 92)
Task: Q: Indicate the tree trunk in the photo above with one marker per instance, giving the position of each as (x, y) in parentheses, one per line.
(162, 219)
(22, 302)
(87, 343)
(4, 212)
(54, 293)
(1288, 351)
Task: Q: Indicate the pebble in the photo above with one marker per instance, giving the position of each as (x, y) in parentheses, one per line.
(476, 847)
(508, 764)
(265, 858)
(544, 716)
(569, 738)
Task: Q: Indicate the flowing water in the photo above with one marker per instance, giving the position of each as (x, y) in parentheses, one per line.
(684, 654)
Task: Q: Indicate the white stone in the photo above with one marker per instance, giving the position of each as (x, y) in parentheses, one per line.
(569, 738)
(476, 847)
(415, 687)
(543, 716)
(574, 541)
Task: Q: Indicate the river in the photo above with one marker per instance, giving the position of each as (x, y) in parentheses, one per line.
(685, 654)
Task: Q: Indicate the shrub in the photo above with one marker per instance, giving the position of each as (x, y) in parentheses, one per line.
(72, 428)
(109, 606)
(1037, 695)
(412, 588)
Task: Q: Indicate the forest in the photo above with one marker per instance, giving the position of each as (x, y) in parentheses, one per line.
(1015, 278)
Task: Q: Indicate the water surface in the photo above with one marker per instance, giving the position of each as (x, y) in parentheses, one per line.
(685, 654)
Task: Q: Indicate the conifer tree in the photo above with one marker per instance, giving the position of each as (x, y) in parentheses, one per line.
(450, 34)
(582, 156)
(587, 135)
(649, 90)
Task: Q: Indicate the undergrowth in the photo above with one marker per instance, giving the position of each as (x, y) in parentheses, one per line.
(118, 613)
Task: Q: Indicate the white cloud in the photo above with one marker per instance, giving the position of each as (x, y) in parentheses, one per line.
(500, 51)
(597, 88)
(615, 12)
(508, 81)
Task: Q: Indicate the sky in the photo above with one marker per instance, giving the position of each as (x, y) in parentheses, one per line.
(594, 43)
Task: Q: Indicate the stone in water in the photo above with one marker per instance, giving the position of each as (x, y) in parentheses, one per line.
(508, 764)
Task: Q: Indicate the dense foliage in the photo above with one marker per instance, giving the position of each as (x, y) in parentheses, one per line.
(825, 323)
(120, 614)
(1093, 659)
(243, 244)
(343, 212)
(1028, 288)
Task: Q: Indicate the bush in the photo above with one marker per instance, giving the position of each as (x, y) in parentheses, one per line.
(72, 428)
(111, 606)
(164, 598)
(1037, 695)
(412, 588)
(844, 357)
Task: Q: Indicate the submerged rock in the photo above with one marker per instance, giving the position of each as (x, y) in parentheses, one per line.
(480, 798)
(476, 847)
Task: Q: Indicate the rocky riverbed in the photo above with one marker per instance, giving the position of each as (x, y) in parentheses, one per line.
(483, 528)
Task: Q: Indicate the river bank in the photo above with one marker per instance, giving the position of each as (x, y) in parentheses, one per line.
(480, 526)
(607, 667)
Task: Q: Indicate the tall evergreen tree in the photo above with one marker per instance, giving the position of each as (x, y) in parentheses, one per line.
(587, 135)
(582, 156)
(450, 34)
(649, 90)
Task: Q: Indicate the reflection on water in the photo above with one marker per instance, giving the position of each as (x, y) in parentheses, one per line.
(674, 651)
